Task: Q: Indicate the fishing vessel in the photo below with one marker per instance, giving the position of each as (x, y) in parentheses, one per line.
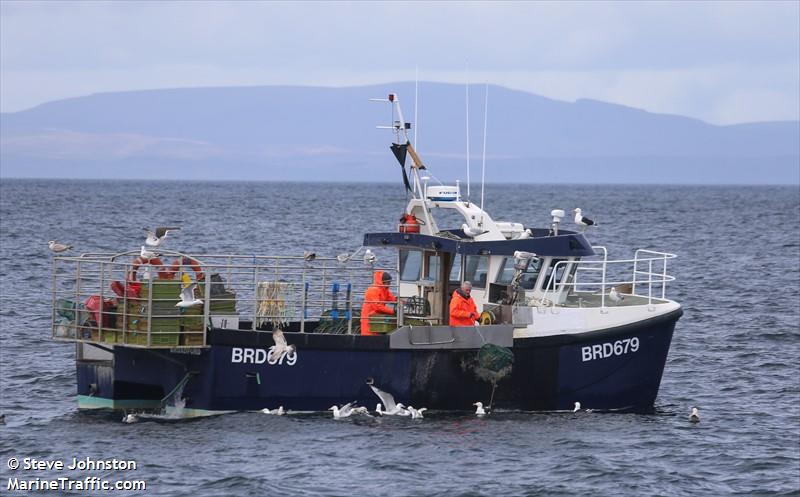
(559, 321)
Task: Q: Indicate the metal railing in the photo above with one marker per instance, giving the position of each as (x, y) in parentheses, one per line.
(125, 299)
(647, 270)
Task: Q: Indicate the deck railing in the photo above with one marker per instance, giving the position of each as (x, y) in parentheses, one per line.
(119, 299)
(643, 276)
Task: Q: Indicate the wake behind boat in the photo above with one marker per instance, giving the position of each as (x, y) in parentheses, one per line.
(559, 322)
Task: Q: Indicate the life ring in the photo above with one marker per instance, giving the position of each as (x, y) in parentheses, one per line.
(183, 262)
(139, 261)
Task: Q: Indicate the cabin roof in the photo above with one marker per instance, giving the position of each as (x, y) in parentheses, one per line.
(566, 244)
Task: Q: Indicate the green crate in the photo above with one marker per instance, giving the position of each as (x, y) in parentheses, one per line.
(382, 324)
(111, 336)
(134, 338)
(170, 339)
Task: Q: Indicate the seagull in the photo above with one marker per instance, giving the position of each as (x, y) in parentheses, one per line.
(58, 247)
(278, 412)
(392, 408)
(479, 411)
(154, 239)
(309, 256)
(471, 232)
(416, 413)
(147, 254)
(577, 407)
(369, 257)
(342, 412)
(187, 297)
(615, 296)
(281, 346)
(361, 410)
(130, 419)
(694, 417)
(342, 258)
(582, 221)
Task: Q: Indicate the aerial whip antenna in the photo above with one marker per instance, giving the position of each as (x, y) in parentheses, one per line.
(467, 103)
(416, 99)
(485, 118)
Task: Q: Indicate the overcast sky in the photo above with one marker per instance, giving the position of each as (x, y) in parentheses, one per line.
(720, 62)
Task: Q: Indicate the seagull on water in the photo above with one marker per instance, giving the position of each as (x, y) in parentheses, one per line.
(694, 417)
(157, 237)
(480, 411)
(147, 254)
(58, 247)
(342, 412)
(187, 297)
(416, 413)
(278, 412)
(615, 296)
(130, 419)
(577, 407)
(580, 220)
(392, 408)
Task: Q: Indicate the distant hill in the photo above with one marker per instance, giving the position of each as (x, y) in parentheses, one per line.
(300, 133)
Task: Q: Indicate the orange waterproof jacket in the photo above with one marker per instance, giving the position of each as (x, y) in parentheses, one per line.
(462, 310)
(375, 299)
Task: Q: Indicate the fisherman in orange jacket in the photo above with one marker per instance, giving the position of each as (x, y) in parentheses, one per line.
(462, 308)
(375, 299)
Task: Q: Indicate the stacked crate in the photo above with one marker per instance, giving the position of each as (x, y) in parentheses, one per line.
(158, 311)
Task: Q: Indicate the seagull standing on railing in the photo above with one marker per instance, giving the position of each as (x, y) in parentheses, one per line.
(369, 257)
(58, 247)
(309, 256)
(580, 220)
(154, 239)
(147, 254)
(187, 297)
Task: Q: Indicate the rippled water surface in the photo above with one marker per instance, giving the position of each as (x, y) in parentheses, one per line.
(735, 353)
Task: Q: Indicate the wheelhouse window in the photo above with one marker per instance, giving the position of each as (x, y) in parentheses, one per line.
(455, 270)
(431, 267)
(529, 277)
(550, 279)
(475, 270)
(410, 265)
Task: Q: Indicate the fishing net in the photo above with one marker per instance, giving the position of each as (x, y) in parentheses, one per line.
(494, 363)
(274, 305)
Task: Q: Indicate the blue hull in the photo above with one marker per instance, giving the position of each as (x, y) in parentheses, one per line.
(616, 369)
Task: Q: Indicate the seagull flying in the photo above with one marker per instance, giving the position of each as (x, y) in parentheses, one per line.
(154, 239)
(577, 407)
(392, 408)
(342, 412)
(582, 221)
(281, 345)
(58, 247)
(694, 417)
(187, 297)
(130, 419)
(147, 254)
(615, 296)
(480, 410)
(278, 412)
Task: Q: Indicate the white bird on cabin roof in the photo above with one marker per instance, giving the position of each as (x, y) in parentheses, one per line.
(480, 411)
(580, 220)
(342, 412)
(187, 297)
(387, 399)
(58, 247)
(157, 237)
(694, 417)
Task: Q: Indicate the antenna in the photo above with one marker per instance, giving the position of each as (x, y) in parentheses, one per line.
(467, 103)
(416, 99)
(485, 119)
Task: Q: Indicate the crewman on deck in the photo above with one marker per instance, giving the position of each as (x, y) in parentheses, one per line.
(463, 311)
(375, 299)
